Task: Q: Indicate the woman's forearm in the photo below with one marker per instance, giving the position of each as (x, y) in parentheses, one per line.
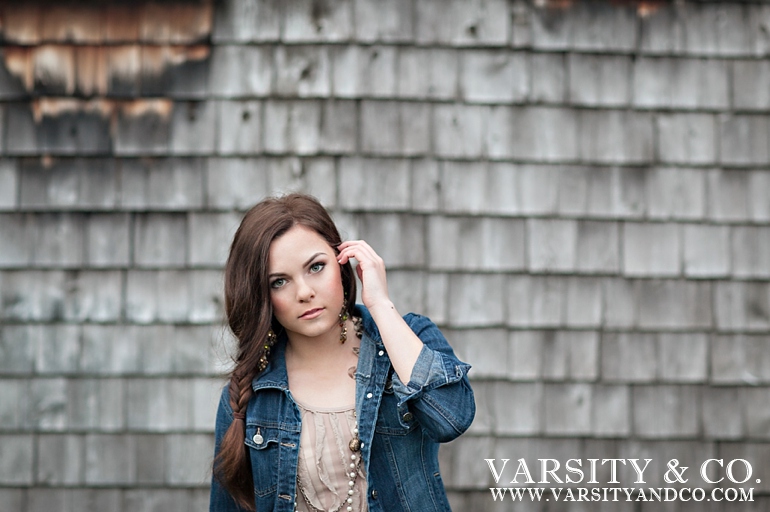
(400, 341)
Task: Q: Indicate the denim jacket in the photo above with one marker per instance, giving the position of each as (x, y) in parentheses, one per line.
(400, 425)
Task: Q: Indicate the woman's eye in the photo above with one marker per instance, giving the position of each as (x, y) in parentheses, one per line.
(277, 283)
(316, 267)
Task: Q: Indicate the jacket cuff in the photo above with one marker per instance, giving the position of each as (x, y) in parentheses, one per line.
(431, 370)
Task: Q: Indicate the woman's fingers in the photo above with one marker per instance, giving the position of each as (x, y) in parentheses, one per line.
(359, 250)
(370, 269)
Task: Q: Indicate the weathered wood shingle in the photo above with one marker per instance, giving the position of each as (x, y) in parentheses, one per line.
(577, 192)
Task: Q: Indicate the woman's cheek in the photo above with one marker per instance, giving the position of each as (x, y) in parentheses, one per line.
(279, 306)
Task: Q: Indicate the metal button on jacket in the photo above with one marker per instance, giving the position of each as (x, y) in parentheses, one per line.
(407, 417)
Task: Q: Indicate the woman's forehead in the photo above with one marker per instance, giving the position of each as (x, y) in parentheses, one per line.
(295, 246)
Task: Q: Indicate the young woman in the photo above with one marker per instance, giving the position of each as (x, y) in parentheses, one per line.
(331, 406)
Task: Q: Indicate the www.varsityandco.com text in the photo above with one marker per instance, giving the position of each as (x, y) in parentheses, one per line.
(720, 480)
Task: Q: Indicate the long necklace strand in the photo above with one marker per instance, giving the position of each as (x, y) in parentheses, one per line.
(355, 463)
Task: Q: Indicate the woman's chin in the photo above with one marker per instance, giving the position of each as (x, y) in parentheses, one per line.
(314, 330)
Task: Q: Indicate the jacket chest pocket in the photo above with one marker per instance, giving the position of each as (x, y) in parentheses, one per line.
(264, 450)
(388, 416)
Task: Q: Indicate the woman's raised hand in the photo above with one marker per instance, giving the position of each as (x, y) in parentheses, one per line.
(370, 270)
(400, 341)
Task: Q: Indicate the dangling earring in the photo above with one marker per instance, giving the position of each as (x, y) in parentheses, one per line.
(271, 339)
(343, 316)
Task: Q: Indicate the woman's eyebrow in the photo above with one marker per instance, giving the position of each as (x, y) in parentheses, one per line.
(308, 262)
(310, 259)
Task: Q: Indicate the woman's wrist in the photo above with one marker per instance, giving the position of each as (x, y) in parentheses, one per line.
(381, 309)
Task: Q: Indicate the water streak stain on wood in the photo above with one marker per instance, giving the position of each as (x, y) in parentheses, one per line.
(83, 49)
(172, 22)
(67, 124)
(89, 70)
(644, 8)
(54, 107)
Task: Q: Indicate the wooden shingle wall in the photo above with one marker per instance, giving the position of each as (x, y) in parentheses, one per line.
(577, 192)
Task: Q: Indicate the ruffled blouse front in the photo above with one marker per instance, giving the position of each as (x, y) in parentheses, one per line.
(325, 458)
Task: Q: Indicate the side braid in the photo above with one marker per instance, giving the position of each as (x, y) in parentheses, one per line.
(240, 394)
(236, 474)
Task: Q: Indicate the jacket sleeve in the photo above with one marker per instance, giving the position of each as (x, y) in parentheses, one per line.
(221, 501)
(438, 393)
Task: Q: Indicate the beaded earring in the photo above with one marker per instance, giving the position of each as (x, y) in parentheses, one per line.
(343, 317)
(271, 339)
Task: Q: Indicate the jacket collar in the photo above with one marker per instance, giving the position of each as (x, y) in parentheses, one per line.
(370, 328)
(275, 375)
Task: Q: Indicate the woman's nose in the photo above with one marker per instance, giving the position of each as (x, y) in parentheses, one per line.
(304, 291)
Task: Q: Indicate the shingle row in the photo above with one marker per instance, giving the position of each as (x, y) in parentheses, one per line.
(96, 350)
(397, 128)
(489, 76)
(486, 76)
(443, 243)
(133, 404)
(389, 184)
(461, 299)
(162, 184)
(147, 296)
(697, 28)
(612, 357)
(105, 460)
(486, 300)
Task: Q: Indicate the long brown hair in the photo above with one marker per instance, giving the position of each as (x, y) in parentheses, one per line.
(250, 316)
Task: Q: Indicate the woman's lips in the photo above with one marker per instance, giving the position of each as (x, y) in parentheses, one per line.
(307, 315)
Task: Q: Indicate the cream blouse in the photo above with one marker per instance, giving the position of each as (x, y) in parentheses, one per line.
(324, 460)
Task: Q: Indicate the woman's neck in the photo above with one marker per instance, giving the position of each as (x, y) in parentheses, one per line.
(321, 370)
(318, 351)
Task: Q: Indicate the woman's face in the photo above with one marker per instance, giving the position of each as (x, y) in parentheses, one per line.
(305, 283)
